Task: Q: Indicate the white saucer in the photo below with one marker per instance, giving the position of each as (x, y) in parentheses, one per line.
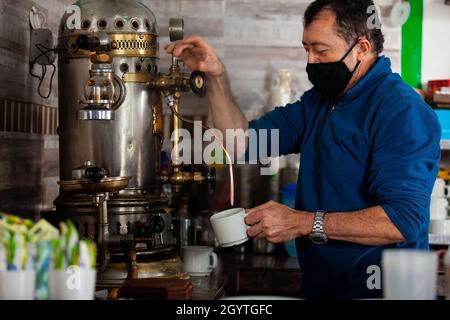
(234, 243)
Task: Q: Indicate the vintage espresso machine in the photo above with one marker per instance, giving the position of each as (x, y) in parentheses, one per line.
(110, 129)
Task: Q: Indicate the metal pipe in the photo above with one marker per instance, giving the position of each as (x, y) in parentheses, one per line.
(101, 201)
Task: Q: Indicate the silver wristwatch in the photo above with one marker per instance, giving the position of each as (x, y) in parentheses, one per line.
(317, 234)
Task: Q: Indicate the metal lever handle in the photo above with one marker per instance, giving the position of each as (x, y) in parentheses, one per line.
(96, 174)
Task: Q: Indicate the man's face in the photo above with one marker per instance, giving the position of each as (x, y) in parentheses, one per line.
(322, 42)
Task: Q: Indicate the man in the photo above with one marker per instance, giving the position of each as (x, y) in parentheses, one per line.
(369, 145)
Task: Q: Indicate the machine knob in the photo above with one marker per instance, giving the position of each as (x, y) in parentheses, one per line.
(198, 83)
(176, 29)
(157, 224)
(86, 43)
(98, 42)
(95, 174)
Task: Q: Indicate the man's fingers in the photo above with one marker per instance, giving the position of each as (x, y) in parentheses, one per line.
(255, 214)
(273, 239)
(181, 48)
(193, 42)
(197, 42)
(255, 230)
(177, 48)
(169, 47)
(254, 217)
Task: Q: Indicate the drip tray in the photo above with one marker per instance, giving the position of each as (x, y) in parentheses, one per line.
(116, 273)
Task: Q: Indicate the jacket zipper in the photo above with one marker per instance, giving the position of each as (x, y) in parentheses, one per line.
(319, 144)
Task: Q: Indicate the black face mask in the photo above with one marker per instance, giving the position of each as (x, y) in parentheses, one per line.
(331, 78)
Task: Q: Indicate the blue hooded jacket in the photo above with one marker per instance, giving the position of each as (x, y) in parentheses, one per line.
(377, 146)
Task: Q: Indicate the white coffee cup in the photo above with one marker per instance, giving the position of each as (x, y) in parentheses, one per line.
(438, 208)
(409, 274)
(440, 189)
(74, 283)
(198, 260)
(229, 227)
(440, 227)
(17, 285)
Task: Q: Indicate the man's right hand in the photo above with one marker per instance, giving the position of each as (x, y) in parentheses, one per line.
(198, 55)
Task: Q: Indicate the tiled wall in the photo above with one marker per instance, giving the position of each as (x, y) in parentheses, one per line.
(253, 37)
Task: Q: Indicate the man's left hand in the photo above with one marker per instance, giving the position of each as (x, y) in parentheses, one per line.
(278, 223)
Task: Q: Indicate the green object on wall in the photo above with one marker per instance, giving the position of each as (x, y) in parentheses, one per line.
(412, 46)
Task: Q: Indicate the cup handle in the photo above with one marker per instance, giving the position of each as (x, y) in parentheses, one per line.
(213, 260)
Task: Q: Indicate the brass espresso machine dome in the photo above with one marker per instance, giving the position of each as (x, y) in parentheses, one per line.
(110, 136)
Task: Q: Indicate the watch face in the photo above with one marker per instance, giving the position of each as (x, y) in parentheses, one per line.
(318, 238)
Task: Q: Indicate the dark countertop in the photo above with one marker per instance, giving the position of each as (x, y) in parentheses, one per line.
(236, 273)
(225, 277)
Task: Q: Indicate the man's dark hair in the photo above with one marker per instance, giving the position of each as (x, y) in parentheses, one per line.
(351, 20)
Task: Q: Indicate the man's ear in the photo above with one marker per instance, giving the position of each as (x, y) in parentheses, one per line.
(364, 48)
